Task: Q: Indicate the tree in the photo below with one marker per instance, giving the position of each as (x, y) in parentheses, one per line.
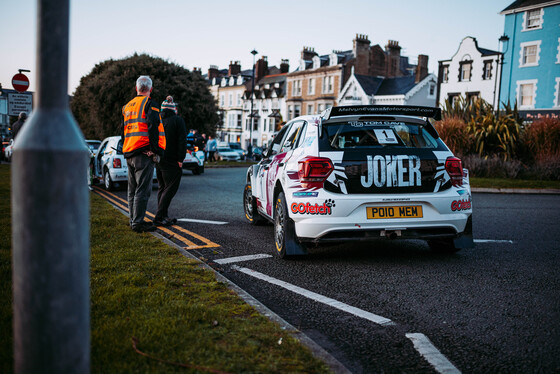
(99, 98)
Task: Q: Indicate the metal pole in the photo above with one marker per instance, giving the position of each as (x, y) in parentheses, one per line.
(250, 150)
(50, 217)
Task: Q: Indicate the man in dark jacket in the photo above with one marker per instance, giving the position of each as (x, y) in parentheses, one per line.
(170, 168)
(16, 127)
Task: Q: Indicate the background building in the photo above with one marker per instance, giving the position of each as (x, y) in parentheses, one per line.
(531, 69)
(471, 72)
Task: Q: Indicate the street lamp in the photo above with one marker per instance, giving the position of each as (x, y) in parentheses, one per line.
(250, 150)
(504, 39)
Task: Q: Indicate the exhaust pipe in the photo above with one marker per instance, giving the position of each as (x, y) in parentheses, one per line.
(391, 234)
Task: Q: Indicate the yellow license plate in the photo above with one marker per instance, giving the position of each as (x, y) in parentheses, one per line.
(385, 212)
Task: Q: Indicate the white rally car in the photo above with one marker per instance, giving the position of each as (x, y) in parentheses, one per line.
(361, 173)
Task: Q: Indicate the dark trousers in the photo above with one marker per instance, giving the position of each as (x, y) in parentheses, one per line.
(169, 178)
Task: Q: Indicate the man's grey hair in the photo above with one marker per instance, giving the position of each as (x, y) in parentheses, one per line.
(143, 84)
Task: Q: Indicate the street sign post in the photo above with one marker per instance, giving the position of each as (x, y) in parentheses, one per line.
(20, 82)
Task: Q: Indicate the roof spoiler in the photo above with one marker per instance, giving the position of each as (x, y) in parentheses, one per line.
(402, 110)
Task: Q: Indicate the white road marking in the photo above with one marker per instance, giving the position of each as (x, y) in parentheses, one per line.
(492, 241)
(202, 221)
(317, 297)
(425, 347)
(230, 260)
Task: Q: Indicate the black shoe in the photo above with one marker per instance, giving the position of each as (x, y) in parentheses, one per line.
(144, 227)
(163, 222)
(172, 220)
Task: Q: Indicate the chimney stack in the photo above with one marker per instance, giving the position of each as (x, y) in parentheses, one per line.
(284, 66)
(308, 53)
(360, 50)
(212, 72)
(393, 51)
(421, 68)
(234, 68)
(261, 68)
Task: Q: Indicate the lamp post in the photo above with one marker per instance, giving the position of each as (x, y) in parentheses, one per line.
(503, 39)
(250, 150)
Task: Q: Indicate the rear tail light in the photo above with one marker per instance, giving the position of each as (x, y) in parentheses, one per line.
(454, 168)
(314, 170)
(117, 163)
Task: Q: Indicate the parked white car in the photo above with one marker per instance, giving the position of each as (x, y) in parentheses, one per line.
(9, 150)
(361, 173)
(194, 159)
(110, 165)
(225, 153)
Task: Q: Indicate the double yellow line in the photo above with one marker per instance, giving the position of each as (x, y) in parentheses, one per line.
(123, 204)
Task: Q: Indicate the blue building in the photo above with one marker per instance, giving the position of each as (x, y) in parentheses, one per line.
(531, 64)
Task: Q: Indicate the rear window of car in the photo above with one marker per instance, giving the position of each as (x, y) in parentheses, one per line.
(357, 134)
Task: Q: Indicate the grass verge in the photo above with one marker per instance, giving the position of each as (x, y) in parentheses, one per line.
(513, 183)
(143, 288)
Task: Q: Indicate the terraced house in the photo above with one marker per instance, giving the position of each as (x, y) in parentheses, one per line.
(531, 47)
(315, 85)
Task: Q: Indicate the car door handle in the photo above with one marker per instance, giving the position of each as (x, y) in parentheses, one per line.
(281, 164)
(266, 167)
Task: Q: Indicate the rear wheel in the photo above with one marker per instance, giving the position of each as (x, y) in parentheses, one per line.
(250, 206)
(285, 238)
(107, 180)
(443, 246)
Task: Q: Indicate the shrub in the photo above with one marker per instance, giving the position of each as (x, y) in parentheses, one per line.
(492, 167)
(453, 132)
(541, 140)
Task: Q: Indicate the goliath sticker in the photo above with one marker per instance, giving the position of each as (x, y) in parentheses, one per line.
(458, 205)
(305, 194)
(389, 171)
(307, 208)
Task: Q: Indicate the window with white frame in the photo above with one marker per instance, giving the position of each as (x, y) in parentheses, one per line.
(432, 90)
(297, 110)
(527, 93)
(311, 87)
(230, 99)
(445, 73)
(558, 54)
(557, 94)
(238, 99)
(222, 100)
(328, 84)
(530, 52)
(309, 109)
(487, 70)
(239, 120)
(465, 69)
(296, 88)
(533, 19)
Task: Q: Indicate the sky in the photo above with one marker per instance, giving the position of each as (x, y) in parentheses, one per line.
(215, 32)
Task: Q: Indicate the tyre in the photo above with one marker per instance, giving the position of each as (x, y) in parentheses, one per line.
(287, 244)
(443, 246)
(250, 206)
(107, 180)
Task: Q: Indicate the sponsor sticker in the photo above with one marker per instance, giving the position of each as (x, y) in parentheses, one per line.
(314, 209)
(458, 205)
(305, 194)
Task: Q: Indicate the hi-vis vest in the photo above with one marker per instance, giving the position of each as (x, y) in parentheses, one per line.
(136, 126)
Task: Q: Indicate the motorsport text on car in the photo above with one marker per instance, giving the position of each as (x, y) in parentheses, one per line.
(361, 173)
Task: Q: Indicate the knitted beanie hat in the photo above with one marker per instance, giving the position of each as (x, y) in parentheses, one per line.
(169, 104)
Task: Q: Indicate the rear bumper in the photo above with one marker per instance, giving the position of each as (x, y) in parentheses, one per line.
(347, 219)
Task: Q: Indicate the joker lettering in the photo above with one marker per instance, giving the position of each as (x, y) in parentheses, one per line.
(391, 171)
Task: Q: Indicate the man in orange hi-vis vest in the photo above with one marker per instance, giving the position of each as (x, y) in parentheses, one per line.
(144, 142)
